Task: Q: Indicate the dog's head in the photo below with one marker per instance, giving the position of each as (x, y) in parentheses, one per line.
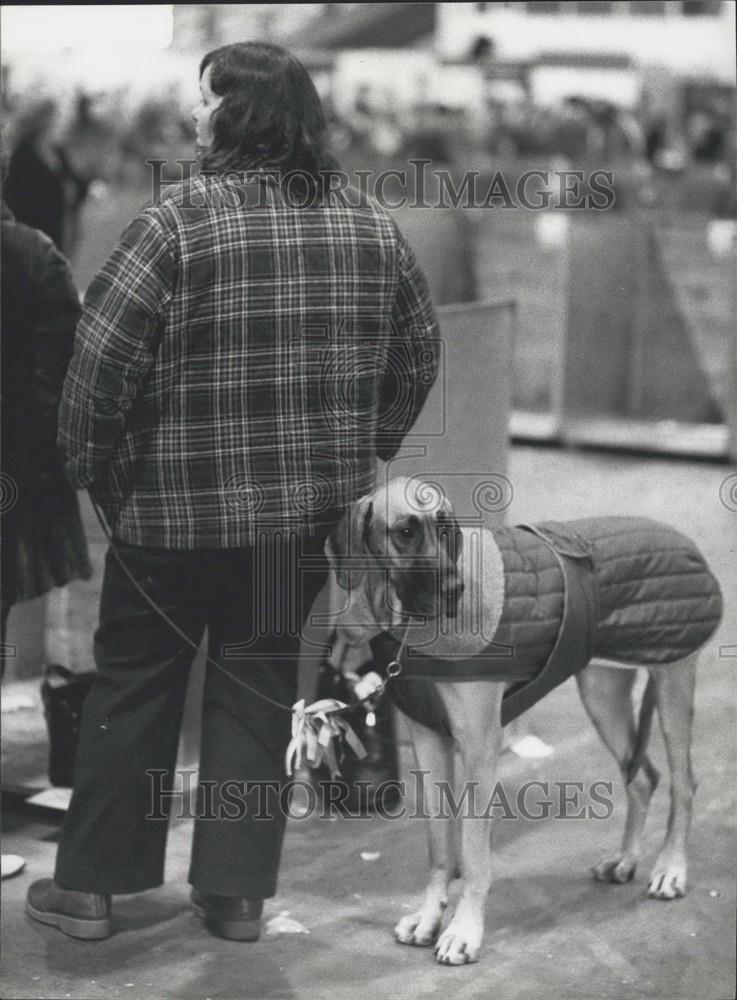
(396, 552)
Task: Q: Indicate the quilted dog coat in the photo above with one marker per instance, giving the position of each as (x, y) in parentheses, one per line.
(619, 588)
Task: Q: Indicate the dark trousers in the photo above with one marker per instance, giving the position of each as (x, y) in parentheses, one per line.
(255, 599)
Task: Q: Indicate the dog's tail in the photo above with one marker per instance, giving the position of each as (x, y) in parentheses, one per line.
(644, 726)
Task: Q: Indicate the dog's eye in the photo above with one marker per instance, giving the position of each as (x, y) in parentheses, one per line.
(406, 532)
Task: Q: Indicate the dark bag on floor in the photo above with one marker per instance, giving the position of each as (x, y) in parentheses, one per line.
(63, 693)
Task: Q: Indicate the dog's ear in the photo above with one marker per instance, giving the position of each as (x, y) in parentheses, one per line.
(347, 541)
(448, 530)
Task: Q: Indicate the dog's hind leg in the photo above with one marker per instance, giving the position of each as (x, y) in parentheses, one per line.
(674, 692)
(434, 756)
(606, 693)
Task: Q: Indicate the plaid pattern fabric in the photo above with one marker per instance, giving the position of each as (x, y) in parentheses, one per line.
(241, 361)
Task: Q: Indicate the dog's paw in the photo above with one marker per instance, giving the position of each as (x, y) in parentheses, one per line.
(618, 869)
(668, 880)
(459, 944)
(419, 928)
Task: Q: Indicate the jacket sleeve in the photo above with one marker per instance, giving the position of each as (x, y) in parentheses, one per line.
(123, 317)
(413, 358)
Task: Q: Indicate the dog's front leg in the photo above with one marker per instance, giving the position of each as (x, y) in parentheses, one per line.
(474, 711)
(434, 757)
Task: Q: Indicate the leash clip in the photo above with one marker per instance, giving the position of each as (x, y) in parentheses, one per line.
(394, 669)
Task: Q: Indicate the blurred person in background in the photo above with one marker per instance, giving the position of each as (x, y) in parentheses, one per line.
(89, 152)
(41, 184)
(201, 411)
(431, 137)
(656, 137)
(707, 132)
(570, 134)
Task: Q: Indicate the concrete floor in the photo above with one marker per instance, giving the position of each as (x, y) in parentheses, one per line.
(551, 930)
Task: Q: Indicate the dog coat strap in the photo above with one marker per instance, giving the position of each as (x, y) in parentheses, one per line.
(574, 645)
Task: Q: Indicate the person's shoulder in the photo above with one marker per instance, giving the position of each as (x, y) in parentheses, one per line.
(20, 240)
(32, 261)
(19, 232)
(183, 206)
(352, 196)
(172, 204)
(161, 217)
(190, 190)
(360, 205)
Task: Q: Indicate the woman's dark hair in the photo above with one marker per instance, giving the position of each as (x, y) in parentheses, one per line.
(270, 116)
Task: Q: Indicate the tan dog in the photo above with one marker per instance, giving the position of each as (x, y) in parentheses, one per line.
(398, 556)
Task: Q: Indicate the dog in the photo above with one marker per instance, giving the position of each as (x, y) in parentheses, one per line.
(411, 574)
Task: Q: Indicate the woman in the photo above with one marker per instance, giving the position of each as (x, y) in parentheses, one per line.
(251, 346)
(43, 541)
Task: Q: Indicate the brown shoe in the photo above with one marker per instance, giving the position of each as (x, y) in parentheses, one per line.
(79, 914)
(229, 917)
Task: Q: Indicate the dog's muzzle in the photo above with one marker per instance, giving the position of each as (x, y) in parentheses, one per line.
(420, 595)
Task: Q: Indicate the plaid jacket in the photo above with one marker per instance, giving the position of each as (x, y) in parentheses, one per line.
(241, 361)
